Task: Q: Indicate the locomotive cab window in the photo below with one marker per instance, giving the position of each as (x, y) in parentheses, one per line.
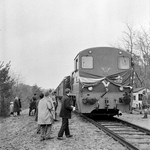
(123, 63)
(87, 62)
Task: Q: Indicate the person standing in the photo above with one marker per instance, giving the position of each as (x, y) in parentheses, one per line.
(11, 107)
(19, 101)
(65, 113)
(36, 115)
(16, 107)
(145, 104)
(55, 102)
(32, 106)
(45, 116)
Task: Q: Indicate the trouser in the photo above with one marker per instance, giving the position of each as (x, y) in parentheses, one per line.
(46, 130)
(38, 128)
(55, 116)
(18, 113)
(145, 113)
(64, 128)
(55, 113)
(36, 115)
(30, 110)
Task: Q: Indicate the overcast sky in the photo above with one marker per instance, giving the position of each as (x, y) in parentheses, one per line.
(42, 37)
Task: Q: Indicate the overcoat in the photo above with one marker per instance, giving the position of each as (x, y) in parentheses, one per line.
(145, 102)
(16, 107)
(36, 114)
(65, 111)
(45, 111)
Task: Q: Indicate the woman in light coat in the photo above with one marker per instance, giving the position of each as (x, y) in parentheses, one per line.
(11, 107)
(45, 116)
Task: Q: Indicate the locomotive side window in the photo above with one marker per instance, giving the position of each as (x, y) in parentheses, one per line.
(76, 64)
(87, 62)
(123, 63)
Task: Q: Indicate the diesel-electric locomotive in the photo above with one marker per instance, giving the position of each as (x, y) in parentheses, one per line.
(101, 82)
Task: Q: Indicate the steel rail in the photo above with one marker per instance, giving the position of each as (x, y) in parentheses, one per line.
(112, 134)
(147, 131)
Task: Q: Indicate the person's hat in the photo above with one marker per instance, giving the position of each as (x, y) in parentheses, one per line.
(67, 90)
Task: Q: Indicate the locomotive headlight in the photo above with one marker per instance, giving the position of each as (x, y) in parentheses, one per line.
(121, 88)
(120, 52)
(90, 52)
(90, 88)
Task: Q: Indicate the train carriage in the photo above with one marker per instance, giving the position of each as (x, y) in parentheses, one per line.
(101, 82)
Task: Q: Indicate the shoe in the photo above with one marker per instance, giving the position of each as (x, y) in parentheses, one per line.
(49, 138)
(69, 136)
(60, 138)
(38, 132)
(42, 139)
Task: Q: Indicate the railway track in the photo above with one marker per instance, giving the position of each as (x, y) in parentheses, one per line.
(129, 135)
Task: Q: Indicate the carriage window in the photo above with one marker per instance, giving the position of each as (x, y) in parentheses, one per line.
(123, 63)
(87, 62)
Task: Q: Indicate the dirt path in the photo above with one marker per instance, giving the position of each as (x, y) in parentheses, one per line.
(19, 133)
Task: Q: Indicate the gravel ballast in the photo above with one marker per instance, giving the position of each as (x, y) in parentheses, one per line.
(19, 133)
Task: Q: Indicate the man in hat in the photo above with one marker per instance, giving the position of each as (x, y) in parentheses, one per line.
(65, 113)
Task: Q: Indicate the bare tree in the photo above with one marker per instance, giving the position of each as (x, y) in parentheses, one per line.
(143, 44)
(129, 42)
(129, 38)
(134, 42)
(18, 79)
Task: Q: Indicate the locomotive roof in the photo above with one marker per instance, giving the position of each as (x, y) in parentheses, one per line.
(95, 48)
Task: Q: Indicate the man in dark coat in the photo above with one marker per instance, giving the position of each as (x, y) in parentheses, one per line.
(19, 101)
(32, 105)
(65, 113)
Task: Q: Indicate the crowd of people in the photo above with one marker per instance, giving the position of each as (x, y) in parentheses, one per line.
(44, 108)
